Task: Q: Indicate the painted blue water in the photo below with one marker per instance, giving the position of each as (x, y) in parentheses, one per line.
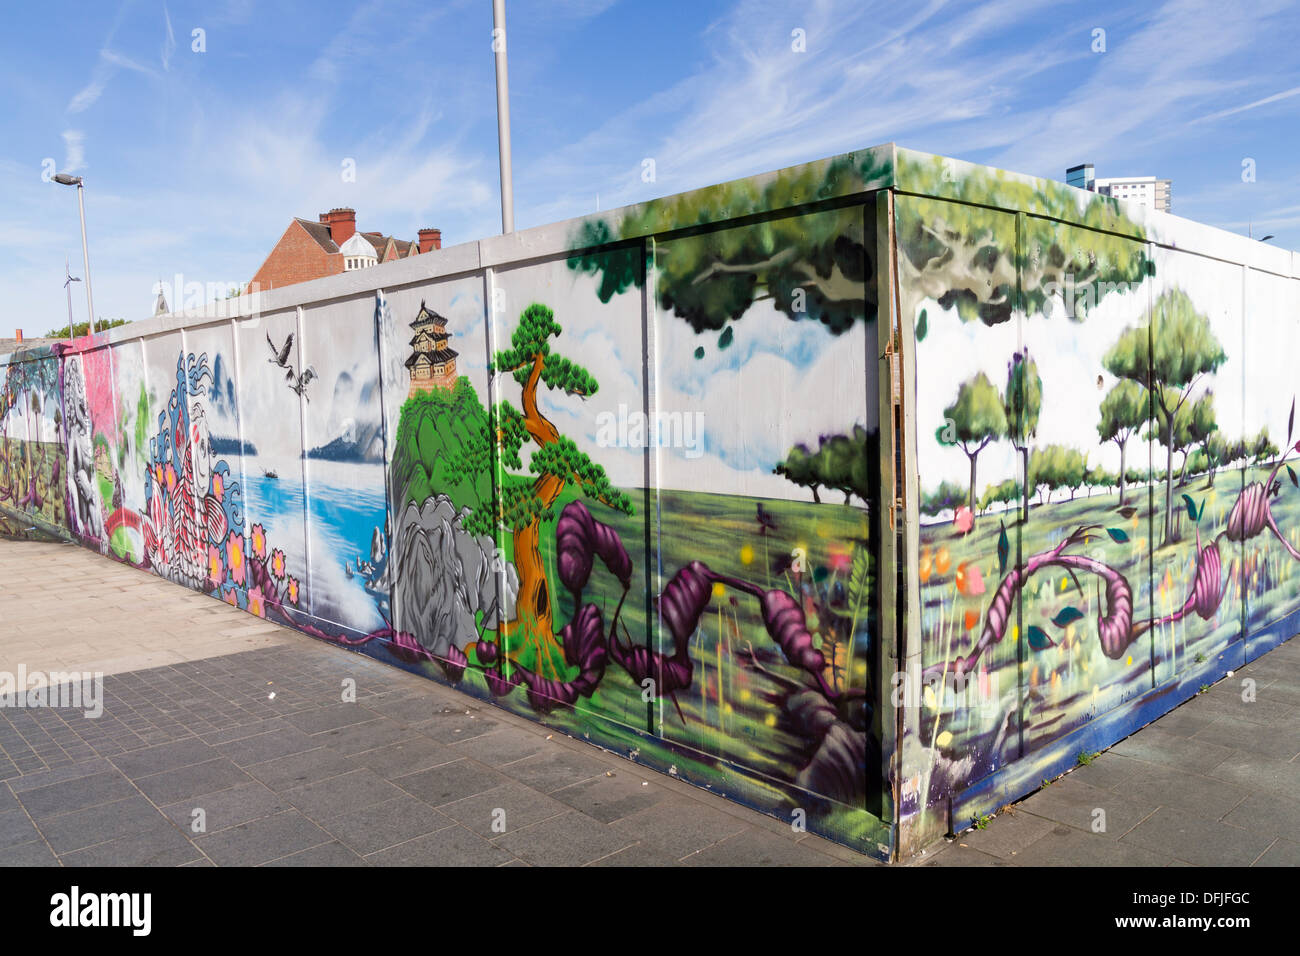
(343, 505)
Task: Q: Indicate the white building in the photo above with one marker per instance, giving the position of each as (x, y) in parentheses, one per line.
(1143, 190)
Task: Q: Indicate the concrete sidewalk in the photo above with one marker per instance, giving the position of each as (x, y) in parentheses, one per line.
(417, 773)
(412, 773)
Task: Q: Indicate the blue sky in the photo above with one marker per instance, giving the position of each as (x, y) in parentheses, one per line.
(196, 161)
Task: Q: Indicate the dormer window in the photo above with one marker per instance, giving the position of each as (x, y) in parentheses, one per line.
(358, 253)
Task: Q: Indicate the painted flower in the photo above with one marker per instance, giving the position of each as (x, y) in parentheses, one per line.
(256, 602)
(230, 597)
(218, 487)
(277, 564)
(970, 581)
(170, 474)
(259, 541)
(235, 556)
(293, 590)
(214, 565)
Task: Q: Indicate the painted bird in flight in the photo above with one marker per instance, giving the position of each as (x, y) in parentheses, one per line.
(300, 383)
(280, 356)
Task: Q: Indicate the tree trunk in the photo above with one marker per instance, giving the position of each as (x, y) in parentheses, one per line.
(1169, 480)
(816, 497)
(1024, 478)
(972, 482)
(534, 612)
(1121, 471)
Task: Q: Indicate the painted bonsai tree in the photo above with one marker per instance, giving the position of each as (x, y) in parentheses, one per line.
(524, 503)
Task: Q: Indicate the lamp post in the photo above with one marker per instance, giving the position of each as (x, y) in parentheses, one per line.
(503, 115)
(67, 285)
(64, 179)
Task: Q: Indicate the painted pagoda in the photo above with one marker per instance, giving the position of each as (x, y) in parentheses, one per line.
(431, 364)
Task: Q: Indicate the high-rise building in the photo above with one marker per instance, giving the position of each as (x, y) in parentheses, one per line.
(1081, 177)
(1143, 190)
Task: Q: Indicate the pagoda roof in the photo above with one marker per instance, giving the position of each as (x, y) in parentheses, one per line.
(427, 316)
(441, 356)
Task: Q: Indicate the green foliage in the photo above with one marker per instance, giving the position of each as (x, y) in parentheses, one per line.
(1022, 402)
(1003, 492)
(1262, 448)
(1052, 467)
(977, 415)
(81, 328)
(815, 266)
(947, 497)
(1086, 758)
(441, 447)
(841, 462)
(964, 253)
(1124, 409)
(562, 459)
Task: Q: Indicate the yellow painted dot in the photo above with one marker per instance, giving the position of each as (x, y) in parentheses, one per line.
(944, 739)
(1129, 662)
(746, 555)
(719, 589)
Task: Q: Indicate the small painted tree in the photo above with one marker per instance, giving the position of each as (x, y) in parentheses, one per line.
(1172, 355)
(974, 420)
(1200, 425)
(1124, 410)
(557, 463)
(1022, 402)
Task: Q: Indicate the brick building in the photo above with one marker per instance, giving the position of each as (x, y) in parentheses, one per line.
(311, 250)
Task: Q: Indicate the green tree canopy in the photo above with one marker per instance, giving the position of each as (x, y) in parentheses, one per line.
(811, 266)
(1170, 358)
(976, 418)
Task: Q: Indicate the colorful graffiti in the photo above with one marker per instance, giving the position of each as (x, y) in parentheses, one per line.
(1079, 386)
(631, 486)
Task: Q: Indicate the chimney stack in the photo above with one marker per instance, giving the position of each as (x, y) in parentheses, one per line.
(18, 333)
(430, 239)
(342, 223)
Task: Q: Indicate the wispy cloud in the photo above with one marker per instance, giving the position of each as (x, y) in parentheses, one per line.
(74, 151)
(169, 44)
(1284, 95)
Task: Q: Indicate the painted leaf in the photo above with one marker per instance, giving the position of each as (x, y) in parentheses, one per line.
(1038, 639)
(1004, 548)
(699, 352)
(725, 338)
(1067, 615)
(1291, 474)
(1290, 422)
(923, 327)
(1127, 512)
(1117, 535)
(1191, 507)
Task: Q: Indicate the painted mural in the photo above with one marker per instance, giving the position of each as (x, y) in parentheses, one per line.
(631, 487)
(1102, 517)
(33, 470)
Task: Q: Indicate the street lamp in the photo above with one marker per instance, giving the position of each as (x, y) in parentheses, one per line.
(1266, 239)
(503, 116)
(64, 179)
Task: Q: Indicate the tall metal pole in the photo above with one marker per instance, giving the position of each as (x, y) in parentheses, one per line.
(503, 117)
(85, 258)
(67, 284)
